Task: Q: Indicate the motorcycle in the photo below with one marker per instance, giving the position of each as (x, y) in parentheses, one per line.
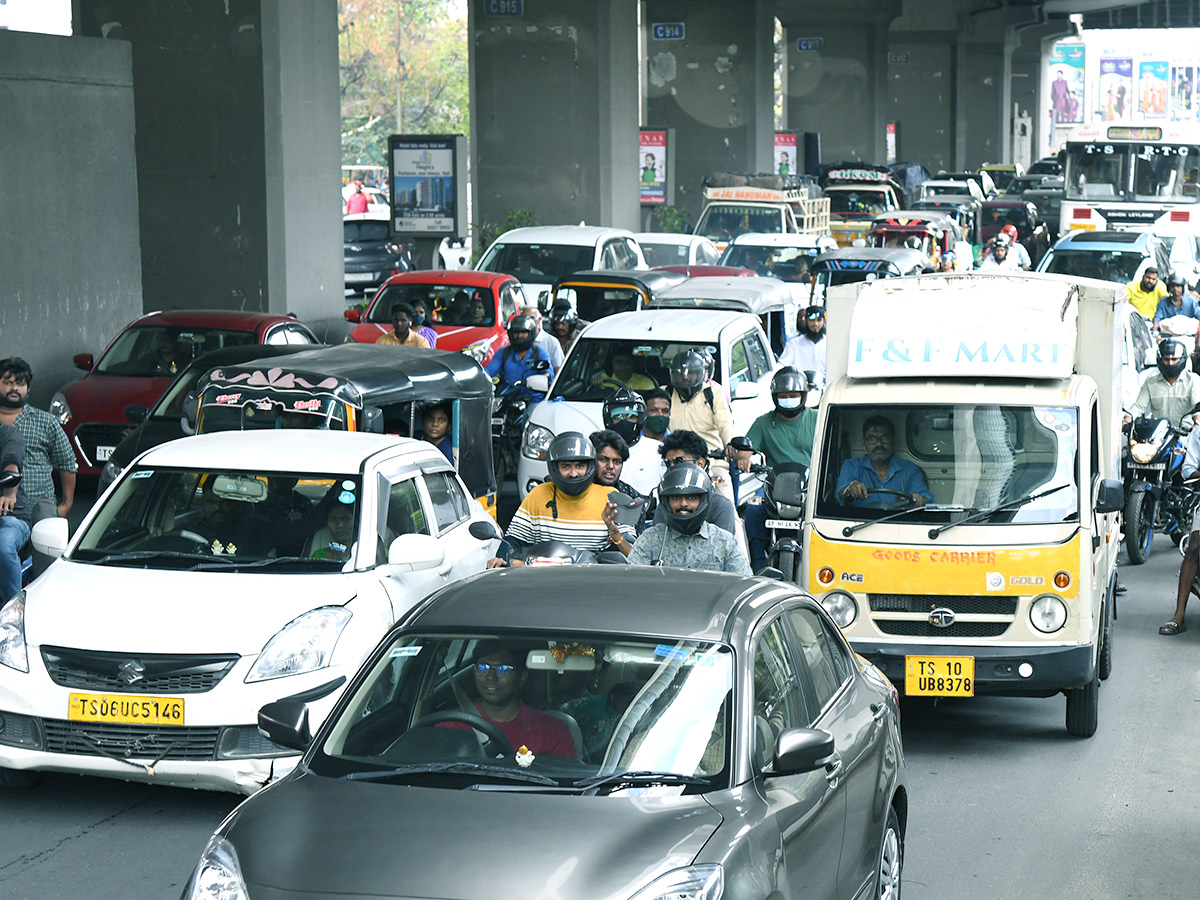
(783, 492)
(1156, 498)
(556, 553)
(510, 413)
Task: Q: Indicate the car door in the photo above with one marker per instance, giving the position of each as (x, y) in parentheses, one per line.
(750, 365)
(809, 808)
(857, 718)
(451, 506)
(401, 508)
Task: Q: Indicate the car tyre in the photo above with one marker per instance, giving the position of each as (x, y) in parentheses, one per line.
(20, 779)
(1104, 660)
(1139, 527)
(891, 859)
(1083, 708)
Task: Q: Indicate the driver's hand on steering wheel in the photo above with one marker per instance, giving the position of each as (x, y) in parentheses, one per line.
(919, 499)
(855, 490)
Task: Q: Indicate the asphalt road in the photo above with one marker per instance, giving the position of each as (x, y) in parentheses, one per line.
(1003, 802)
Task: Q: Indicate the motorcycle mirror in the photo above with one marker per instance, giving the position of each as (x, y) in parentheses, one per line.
(742, 444)
(543, 365)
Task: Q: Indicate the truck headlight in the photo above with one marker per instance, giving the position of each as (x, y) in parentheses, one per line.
(218, 875)
(1047, 614)
(693, 883)
(303, 645)
(841, 608)
(60, 409)
(13, 652)
(535, 443)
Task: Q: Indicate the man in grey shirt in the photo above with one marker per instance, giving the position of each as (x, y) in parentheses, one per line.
(686, 540)
(682, 447)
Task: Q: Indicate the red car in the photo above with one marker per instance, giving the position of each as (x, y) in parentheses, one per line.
(466, 309)
(142, 361)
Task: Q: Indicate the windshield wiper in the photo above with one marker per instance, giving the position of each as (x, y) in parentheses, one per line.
(985, 513)
(928, 507)
(138, 556)
(232, 562)
(453, 768)
(614, 779)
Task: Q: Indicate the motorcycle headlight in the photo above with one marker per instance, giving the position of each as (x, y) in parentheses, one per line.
(13, 652)
(218, 875)
(1143, 452)
(693, 883)
(60, 409)
(1048, 614)
(303, 645)
(841, 608)
(535, 443)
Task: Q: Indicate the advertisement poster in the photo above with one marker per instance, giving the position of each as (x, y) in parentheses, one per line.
(1182, 82)
(1115, 101)
(785, 153)
(423, 189)
(1066, 85)
(1152, 89)
(652, 162)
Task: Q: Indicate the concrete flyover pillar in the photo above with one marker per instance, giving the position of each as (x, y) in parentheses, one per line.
(554, 111)
(836, 68)
(713, 88)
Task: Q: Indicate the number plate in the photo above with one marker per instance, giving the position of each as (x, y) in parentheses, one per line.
(785, 524)
(125, 709)
(103, 454)
(939, 676)
(359, 277)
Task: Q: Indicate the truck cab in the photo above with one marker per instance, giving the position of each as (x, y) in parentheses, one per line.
(766, 204)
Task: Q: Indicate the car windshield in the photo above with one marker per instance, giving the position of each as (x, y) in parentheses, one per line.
(1002, 178)
(445, 304)
(365, 231)
(999, 216)
(597, 366)
(1107, 265)
(970, 457)
(155, 351)
(664, 254)
(786, 263)
(166, 518)
(857, 203)
(580, 707)
(538, 262)
(724, 221)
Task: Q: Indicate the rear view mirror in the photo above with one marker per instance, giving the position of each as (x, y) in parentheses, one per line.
(137, 412)
(51, 536)
(484, 531)
(542, 365)
(742, 444)
(747, 390)
(82, 361)
(800, 750)
(354, 314)
(285, 722)
(539, 383)
(372, 419)
(416, 552)
(190, 403)
(1110, 496)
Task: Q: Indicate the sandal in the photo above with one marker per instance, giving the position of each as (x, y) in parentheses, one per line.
(1172, 627)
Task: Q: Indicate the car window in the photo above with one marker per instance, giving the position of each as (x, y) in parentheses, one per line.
(778, 703)
(821, 653)
(449, 504)
(297, 335)
(400, 513)
(511, 299)
(758, 357)
(276, 336)
(739, 365)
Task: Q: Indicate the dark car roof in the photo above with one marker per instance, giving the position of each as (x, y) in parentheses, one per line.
(1006, 202)
(903, 257)
(636, 600)
(390, 374)
(649, 280)
(210, 318)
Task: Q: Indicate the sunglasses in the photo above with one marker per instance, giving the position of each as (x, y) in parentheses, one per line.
(680, 460)
(502, 670)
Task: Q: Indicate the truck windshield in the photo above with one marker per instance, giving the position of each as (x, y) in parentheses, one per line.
(961, 458)
(722, 221)
(858, 203)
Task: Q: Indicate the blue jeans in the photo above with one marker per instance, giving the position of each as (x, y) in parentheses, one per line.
(14, 533)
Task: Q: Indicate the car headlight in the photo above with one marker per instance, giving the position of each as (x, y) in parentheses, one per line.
(60, 409)
(693, 883)
(110, 473)
(1048, 614)
(218, 875)
(841, 608)
(13, 652)
(535, 443)
(303, 645)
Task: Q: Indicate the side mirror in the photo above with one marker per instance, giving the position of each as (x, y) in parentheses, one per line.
(190, 402)
(353, 314)
(416, 553)
(8, 479)
(742, 444)
(372, 419)
(137, 412)
(1110, 496)
(747, 390)
(799, 750)
(539, 383)
(83, 361)
(484, 531)
(51, 536)
(285, 722)
(542, 365)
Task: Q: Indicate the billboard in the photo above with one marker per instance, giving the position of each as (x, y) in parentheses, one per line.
(428, 184)
(652, 166)
(785, 153)
(1067, 82)
(1115, 101)
(1152, 89)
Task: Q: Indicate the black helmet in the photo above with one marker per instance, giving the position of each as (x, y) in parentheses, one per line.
(685, 480)
(688, 371)
(562, 312)
(1174, 279)
(518, 324)
(1167, 348)
(625, 402)
(789, 381)
(571, 446)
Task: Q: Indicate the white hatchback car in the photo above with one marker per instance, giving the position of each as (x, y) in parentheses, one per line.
(743, 364)
(218, 573)
(541, 255)
(664, 249)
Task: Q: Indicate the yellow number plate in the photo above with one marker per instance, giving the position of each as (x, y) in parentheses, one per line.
(125, 709)
(939, 676)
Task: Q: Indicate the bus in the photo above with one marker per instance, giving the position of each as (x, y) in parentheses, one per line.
(1132, 177)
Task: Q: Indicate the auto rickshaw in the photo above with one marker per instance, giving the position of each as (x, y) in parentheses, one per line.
(930, 232)
(597, 293)
(775, 302)
(359, 387)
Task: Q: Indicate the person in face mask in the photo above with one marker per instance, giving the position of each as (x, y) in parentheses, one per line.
(624, 413)
(784, 436)
(46, 446)
(420, 322)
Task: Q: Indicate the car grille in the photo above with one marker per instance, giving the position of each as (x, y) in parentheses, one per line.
(105, 434)
(962, 605)
(158, 673)
(126, 741)
(917, 628)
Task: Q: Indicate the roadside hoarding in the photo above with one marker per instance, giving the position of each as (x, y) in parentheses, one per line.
(652, 166)
(428, 184)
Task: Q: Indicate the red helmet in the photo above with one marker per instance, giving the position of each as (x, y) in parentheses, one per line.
(1010, 230)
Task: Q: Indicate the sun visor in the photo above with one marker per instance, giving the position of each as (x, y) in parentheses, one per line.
(965, 326)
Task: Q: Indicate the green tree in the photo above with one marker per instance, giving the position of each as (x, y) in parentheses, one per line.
(403, 71)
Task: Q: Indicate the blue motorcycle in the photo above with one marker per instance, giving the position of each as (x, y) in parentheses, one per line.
(1156, 499)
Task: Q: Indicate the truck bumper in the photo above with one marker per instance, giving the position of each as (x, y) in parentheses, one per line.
(998, 670)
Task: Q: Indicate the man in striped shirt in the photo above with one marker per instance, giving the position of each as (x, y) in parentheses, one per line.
(570, 507)
(46, 446)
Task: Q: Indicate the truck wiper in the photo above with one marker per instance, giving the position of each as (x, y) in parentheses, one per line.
(452, 768)
(985, 513)
(928, 507)
(616, 779)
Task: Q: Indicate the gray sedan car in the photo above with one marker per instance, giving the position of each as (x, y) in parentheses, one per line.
(587, 732)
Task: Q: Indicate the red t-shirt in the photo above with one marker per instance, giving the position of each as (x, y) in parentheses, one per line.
(540, 732)
(357, 203)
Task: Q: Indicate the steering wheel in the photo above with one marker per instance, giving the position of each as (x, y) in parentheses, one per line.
(497, 743)
(899, 495)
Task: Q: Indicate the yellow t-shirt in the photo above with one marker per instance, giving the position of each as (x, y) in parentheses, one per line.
(1146, 302)
(413, 340)
(547, 514)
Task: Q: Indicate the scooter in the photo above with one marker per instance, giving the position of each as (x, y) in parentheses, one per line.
(556, 553)
(1156, 499)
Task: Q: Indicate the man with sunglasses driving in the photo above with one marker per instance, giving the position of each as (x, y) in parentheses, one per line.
(499, 676)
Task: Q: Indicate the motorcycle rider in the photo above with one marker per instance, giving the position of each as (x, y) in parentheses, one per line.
(571, 507)
(704, 409)
(686, 539)
(1191, 559)
(564, 324)
(687, 448)
(785, 437)
(611, 455)
(625, 412)
(1170, 393)
(1176, 303)
(999, 259)
(807, 350)
(516, 362)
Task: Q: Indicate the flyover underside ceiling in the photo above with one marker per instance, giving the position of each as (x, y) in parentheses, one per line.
(1153, 14)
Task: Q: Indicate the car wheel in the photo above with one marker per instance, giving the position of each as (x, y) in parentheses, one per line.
(20, 778)
(891, 860)
(1106, 637)
(1083, 708)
